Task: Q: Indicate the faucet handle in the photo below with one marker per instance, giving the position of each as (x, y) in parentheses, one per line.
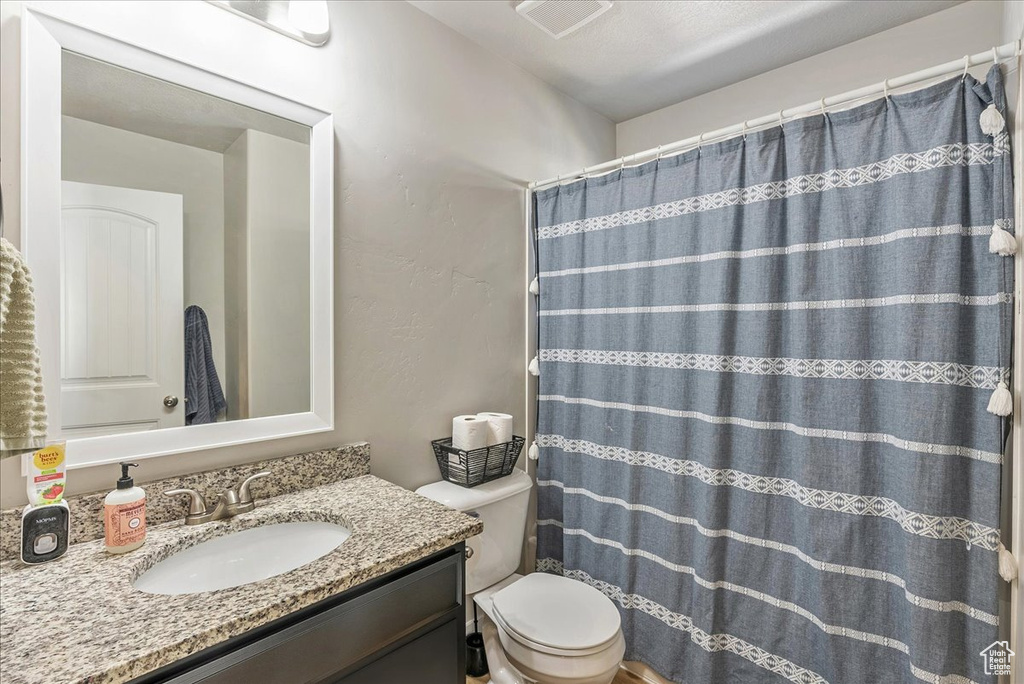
(244, 496)
(197, 504)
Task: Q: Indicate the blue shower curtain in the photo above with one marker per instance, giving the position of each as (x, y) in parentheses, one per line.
(764, 373)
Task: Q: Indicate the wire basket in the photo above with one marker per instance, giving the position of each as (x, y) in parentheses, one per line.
(472, 468)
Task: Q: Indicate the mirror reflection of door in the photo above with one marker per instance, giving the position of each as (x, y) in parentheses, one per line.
(208, 310)
(122, 354)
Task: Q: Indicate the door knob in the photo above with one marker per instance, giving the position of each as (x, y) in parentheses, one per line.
(170, 401)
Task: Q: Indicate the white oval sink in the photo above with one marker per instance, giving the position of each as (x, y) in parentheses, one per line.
(243, 557)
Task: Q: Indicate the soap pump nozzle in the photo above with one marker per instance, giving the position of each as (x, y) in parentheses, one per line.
(126, 481)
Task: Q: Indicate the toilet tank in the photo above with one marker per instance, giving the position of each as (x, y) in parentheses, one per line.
(501, 505)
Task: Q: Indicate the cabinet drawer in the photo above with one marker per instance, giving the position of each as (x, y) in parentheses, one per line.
(322, 646)
(429, 659)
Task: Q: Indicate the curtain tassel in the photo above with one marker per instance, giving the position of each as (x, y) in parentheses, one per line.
(535, 286)
(1001, 401)
(992, 121)
(1002, 242)
(534, 367)
(1007, 564)
(534, 452)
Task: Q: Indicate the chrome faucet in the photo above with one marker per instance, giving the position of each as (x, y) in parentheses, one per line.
(229, 504)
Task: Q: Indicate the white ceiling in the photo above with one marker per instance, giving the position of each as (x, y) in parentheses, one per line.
(106, 94)
(644, 55)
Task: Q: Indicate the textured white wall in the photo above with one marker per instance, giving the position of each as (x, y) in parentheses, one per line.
(968, 28)
(93, 153)
(434, 139)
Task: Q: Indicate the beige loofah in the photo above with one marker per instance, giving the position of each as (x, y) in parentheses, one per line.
(22, 405)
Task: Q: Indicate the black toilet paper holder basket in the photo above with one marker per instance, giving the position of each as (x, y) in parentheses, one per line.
(472, 468)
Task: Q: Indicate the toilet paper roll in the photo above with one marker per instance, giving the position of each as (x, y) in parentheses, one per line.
(469, 432)
(499, 427)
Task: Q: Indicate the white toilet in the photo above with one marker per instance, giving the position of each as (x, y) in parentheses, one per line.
(538, 628)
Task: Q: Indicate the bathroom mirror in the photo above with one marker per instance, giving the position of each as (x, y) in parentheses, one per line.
(178, 225)
(184, 259)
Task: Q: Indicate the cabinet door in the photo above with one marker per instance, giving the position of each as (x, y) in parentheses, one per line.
(338, 639)
(430, 659)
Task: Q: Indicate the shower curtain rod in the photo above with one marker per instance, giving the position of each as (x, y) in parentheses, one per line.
(964, 63)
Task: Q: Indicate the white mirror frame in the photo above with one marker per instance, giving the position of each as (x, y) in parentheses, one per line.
(43, 39)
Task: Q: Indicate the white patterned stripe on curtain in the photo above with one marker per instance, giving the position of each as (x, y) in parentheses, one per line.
(983, 377)
(803, 431)
(896, 580)
(958, 154)
(912, 522)
(713, 642)
(790, 250)
(892, 300)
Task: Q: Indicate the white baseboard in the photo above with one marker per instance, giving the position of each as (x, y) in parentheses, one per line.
(643, 672)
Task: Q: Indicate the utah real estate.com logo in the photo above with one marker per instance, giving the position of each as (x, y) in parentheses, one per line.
(997, 658)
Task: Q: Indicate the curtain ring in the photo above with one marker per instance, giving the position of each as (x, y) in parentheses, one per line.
(700, 141)
(995, 56)
(823, 112)
(657, 154)
(967, 65)
(885, 88)
(744, 130)
(780, 118)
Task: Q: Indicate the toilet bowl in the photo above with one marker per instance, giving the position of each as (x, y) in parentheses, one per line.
(537, 629)
(551, 630)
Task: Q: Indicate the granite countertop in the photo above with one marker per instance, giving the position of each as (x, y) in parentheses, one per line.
(78, 619)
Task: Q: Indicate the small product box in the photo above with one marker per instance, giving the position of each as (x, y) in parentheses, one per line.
(46, 521)
(46, 475)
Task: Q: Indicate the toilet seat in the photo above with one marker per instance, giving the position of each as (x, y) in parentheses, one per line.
(527, 643)
(557, 615)
(591, 667)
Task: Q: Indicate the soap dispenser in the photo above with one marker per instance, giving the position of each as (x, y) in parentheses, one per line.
(124, 514)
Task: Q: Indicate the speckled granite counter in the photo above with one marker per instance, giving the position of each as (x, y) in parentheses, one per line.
(78, 619)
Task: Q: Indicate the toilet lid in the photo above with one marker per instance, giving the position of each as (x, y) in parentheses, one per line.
(557, 612)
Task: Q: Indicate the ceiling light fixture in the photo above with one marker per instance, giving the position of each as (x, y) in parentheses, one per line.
(309, 16)
(307, 21)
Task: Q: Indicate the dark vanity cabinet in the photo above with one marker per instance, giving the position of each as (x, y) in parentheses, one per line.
(407, 626)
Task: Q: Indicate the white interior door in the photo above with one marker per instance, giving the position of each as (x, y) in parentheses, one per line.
(122, 315)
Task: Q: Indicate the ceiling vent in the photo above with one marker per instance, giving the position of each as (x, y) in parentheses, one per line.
(559, 18)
